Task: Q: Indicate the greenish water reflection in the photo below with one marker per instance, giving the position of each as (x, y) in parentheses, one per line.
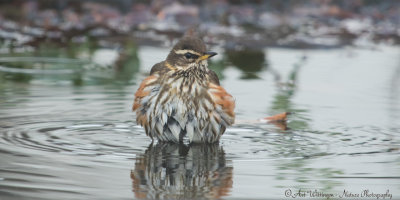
(249, 61)
(74, 62)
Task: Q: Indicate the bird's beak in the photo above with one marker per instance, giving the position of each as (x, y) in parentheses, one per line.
(207, 55)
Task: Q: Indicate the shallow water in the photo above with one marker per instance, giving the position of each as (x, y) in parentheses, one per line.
(71, 134)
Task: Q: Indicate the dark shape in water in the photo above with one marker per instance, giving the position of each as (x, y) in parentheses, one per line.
(249, 61)
(178, 171)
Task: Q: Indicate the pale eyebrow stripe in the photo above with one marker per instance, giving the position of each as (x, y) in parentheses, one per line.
(186, 51)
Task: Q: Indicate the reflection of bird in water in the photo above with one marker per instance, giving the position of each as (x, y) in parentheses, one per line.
(178, 171)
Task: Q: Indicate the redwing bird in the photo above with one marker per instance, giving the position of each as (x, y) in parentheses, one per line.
(182, 97)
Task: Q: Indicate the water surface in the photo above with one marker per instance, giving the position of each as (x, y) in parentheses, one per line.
(67, 130)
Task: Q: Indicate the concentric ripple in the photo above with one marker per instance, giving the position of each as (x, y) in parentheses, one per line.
(70, 137)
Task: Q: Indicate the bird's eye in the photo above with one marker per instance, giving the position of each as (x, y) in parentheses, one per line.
(188, 55)
(191, 56)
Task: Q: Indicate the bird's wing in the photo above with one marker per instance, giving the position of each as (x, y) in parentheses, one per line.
(143, 90)
(223, 99)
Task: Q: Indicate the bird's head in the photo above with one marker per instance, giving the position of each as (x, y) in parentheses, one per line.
(189, 51)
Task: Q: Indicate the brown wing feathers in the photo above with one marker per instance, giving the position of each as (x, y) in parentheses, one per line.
(222, 98)
(141, 92)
